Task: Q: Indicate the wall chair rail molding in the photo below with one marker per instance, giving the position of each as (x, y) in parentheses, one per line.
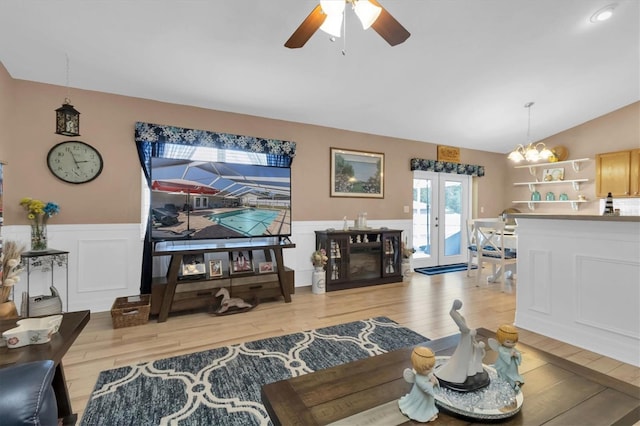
(446, 167)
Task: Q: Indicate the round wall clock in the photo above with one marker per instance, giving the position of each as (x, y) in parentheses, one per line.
(74, 162)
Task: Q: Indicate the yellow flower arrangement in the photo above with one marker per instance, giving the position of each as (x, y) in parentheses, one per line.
(38, 212)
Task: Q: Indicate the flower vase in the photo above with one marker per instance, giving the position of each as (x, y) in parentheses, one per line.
(406, 268)
(39, 237)
(318, 280)
(8, 310)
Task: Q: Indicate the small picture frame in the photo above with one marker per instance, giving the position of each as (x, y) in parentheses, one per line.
(552, 175)
(265, 267)
(215, 268)
(193, 265)
(240, 262)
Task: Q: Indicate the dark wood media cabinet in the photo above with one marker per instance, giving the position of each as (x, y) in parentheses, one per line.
(174, 292)
(361, 257)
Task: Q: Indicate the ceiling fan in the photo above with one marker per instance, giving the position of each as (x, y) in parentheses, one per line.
(328, 16)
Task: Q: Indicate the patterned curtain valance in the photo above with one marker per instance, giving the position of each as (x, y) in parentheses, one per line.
(152, 133)
(446, 167)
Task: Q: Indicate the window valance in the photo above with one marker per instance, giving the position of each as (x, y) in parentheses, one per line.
(446, 167)
(149, 132)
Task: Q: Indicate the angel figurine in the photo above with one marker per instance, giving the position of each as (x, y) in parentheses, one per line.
(419, 404)
(509, 358)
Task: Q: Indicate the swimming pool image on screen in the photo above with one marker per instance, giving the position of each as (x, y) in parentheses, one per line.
(248, 221)
(195, 195)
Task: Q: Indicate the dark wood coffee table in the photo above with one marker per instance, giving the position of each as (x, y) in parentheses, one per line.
(556, 391)
(72, 325)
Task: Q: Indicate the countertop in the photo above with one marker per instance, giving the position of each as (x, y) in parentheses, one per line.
(597, 218)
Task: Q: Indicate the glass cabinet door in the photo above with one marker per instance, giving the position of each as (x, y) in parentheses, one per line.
(338, 254)
(391, 254)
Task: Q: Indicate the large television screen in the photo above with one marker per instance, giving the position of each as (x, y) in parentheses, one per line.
(209, 193)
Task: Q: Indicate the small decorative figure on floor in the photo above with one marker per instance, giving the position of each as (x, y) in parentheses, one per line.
(509, 358)
(419, 404)
(463, 372)
(231, 302)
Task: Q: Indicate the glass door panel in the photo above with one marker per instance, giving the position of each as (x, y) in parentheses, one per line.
(440, 208)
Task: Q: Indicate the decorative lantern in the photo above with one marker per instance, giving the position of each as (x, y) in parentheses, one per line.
(67, 120)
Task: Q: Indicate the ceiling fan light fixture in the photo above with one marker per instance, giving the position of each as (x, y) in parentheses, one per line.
(367, 12)
(332, 7)
(332, 25)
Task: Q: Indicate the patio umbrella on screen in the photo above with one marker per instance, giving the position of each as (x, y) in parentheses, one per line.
(183, 186)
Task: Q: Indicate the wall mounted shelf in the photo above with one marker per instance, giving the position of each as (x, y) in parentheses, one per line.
(574, 163)
(532, 204)
(532, 185)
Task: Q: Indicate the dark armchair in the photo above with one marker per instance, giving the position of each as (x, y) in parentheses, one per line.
(26, 395)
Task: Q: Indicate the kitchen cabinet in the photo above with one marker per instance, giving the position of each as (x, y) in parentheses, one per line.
(618, 173)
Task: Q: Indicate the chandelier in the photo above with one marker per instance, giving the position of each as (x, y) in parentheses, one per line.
(532, 152)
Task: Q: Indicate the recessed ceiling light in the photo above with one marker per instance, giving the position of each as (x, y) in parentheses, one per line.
(603, 14)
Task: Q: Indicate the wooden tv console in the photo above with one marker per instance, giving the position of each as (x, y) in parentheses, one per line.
(173, 292)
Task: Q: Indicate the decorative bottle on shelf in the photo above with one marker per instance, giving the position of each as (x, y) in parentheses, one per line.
(608, 205)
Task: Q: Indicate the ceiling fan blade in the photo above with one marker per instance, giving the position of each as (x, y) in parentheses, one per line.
(308, 27)
(389, 28)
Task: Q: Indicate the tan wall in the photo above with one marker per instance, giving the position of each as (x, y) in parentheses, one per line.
(107, 122)
(6, 111)
(616, 131)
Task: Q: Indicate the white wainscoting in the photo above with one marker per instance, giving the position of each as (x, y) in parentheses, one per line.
(104, 262)
(579, 282)
(105, 259)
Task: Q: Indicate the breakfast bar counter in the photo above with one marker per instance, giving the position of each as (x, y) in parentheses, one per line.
(579, 281)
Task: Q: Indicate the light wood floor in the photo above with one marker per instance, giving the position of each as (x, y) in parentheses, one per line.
(421, 304)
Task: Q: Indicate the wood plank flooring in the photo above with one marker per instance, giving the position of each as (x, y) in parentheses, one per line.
(421, 303)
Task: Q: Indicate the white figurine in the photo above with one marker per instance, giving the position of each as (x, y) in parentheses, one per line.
(509, 358)
(464, 370)
(419, 404)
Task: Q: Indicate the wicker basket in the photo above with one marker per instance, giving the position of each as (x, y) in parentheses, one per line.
(130, 311)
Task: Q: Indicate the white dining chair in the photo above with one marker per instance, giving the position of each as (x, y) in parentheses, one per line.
(471, 246)
(490, 247)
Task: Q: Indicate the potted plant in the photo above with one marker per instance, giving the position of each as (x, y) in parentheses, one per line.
(318, 259)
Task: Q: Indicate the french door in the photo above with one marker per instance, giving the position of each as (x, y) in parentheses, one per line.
(441, 205)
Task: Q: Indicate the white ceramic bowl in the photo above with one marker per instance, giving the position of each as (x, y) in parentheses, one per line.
(32, 331)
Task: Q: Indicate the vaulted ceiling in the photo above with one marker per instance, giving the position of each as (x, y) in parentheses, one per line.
(461, 79)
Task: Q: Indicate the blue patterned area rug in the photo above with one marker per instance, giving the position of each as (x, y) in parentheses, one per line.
(222, 386)
(435, 270)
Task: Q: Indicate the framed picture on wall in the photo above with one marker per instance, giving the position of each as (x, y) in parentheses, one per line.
(240, 262)
(357, 174)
